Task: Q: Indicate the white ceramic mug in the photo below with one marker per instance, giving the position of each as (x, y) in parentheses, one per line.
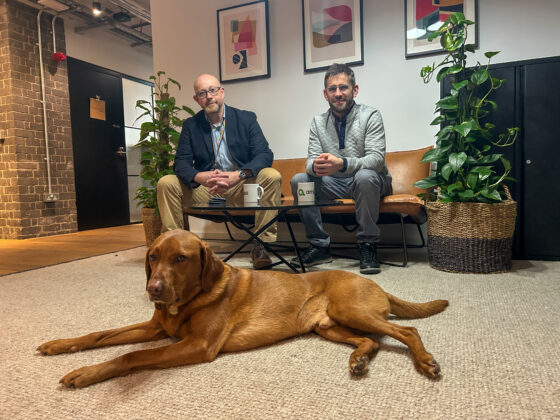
(252, 193)
(306, 192)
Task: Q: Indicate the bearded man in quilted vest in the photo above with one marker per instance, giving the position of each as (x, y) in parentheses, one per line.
(345, 159)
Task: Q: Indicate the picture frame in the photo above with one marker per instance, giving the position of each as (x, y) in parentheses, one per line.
(243, 42)
(332, 33)
(422, 15)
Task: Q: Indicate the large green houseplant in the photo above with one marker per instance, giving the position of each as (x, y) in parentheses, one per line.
(469, 207)
(158, 141)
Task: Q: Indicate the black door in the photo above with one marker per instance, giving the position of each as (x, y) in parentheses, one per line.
(540, 162)
(505, 116)
(99, 145)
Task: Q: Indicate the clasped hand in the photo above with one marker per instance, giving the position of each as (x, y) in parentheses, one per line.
(326, 164)
(217, 182)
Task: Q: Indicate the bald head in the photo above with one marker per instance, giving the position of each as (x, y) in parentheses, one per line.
(205, 80)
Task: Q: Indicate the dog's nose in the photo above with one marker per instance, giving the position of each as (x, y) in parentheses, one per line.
(155, 288)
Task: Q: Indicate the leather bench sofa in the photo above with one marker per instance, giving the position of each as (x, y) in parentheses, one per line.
(403, 206)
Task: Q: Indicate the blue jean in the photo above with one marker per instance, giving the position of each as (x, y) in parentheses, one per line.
(366, 188)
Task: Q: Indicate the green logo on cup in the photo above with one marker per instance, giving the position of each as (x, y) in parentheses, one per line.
(301, 193)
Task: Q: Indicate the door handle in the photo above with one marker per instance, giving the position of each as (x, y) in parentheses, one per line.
(121, 152)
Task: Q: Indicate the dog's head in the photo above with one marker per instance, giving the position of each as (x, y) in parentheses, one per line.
(179, 266)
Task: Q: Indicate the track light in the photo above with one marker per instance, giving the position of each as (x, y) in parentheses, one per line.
(96, 8)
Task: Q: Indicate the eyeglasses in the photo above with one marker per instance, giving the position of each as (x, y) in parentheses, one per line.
(213, 91)
(342, 88)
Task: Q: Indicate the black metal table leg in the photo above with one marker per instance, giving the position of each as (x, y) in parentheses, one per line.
(255, 236)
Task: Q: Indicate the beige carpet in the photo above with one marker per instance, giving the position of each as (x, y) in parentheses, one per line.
(497, 345)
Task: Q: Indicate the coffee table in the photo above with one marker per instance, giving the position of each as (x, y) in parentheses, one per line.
(232, 210)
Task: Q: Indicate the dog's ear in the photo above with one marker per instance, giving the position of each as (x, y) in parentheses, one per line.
(212, 267)
(148, 268)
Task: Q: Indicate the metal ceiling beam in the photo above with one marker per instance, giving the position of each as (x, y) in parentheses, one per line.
(90, 27)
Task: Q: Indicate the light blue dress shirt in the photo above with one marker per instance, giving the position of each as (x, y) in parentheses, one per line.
(223, 160)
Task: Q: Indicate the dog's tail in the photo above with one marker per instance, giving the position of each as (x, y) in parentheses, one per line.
(404, 309)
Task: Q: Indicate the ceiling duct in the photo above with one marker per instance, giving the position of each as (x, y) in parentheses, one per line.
(80, 10)
(121, 17)
(54, 5)
(134, 9)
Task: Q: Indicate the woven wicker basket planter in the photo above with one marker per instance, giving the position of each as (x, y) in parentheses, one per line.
(152, 224)
(471, 237)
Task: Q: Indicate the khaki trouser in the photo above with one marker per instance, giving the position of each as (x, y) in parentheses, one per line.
(173, 195)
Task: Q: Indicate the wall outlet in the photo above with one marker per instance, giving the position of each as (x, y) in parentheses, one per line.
(49, 197)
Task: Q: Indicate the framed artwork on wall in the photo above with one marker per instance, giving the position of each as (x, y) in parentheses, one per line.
(243, 42)
(332, 33)
(423, 17)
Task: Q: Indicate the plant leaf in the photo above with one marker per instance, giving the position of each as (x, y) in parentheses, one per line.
(445, 198)
(454, 187)
(482, 171)
(446, 41)
(449, 102)
(438, 120)
(490, 54)
(472, 180)
(491, 194)
(479, 76)
(456, 160)
(460, 85)
(426, 183)
(466, 195)
(446, 171)
(464, 128)
(489, 158)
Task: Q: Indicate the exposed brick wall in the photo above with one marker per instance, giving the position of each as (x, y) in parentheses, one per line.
(23, 167)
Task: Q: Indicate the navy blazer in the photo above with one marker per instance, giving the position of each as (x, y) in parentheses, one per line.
(245, 140)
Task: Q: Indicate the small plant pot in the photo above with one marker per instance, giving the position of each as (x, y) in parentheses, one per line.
(152, 224)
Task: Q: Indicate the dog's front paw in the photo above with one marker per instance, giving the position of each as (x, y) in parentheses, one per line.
(428, 367)
(58, 346)
(82, 377)
(359, 365)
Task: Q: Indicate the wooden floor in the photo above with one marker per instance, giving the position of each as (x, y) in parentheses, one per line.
(27, 254)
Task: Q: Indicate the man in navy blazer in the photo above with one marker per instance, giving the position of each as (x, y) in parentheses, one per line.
(219, 150)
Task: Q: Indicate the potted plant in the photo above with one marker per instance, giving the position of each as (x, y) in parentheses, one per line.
(471, 216)
(158, 140)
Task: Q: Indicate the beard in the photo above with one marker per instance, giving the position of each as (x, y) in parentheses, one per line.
(341, 106)
(212, 108)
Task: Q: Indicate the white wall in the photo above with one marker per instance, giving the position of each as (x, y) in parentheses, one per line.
(186, 44)
(103, 49)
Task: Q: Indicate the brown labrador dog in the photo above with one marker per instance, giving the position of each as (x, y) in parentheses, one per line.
(212, 307)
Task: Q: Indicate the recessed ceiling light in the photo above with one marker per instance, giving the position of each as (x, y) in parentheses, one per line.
(96, 8)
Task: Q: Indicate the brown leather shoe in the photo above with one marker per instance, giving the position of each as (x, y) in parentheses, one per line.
(259, 257)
